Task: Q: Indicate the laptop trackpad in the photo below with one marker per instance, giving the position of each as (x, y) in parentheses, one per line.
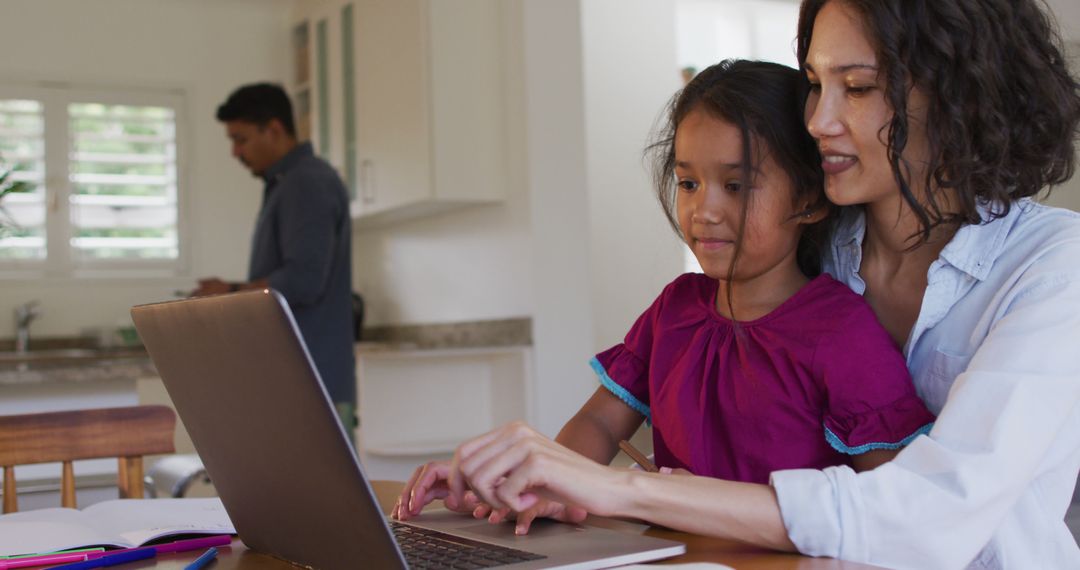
(539, 529)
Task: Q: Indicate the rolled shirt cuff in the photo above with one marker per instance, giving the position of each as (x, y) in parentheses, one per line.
(820, 517)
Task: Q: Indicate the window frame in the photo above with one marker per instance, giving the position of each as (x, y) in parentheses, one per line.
(59, 262)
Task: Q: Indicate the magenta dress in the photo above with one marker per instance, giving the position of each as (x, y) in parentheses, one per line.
(812, 383)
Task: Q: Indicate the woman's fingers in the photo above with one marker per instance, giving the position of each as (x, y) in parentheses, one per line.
(480, 463)
(457, 478)
(488, 477)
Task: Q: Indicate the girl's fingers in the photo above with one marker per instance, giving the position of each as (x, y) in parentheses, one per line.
(431, 477)
(574, 514)
(406, 491)
(524, 520)
(481, 511)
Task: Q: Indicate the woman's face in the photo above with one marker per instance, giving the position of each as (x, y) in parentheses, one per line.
(847, 114)
(709, 167)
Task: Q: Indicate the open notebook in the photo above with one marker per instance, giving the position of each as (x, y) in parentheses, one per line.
(123, 523)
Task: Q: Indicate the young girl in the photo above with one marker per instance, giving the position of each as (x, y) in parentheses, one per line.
(759, 364)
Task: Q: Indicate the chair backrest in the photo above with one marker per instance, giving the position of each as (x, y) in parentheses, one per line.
(126, 433)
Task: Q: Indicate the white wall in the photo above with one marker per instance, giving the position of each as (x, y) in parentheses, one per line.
(1068, 195)
(207, 48)
(581, 244)
(631, 73)
(527, 256)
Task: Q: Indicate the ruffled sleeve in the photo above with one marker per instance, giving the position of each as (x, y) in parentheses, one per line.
(625, 376)
(872, 402)
(624, 368)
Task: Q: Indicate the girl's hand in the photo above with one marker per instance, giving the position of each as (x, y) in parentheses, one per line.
(427, 484)
(543, 509)
(514, 467)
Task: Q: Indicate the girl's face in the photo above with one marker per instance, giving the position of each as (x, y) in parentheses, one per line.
(847, 114)
(708, 164)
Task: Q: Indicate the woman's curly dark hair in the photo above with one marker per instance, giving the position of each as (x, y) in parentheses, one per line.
(1003, 108)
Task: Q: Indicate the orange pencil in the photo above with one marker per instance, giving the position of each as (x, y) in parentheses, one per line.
(637, 456)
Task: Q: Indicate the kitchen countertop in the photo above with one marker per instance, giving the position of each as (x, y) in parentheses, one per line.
(75, 365)
(72, 360)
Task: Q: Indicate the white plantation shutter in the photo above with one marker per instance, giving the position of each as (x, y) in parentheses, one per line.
(122, 172)
(22, 148)
(103, 181)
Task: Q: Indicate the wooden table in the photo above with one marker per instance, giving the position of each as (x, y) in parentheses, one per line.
(699, 549)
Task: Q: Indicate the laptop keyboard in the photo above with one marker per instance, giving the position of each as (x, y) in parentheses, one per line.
(431, 549)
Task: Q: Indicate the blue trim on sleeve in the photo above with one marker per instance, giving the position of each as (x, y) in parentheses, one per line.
(620, 392)
(840, 446)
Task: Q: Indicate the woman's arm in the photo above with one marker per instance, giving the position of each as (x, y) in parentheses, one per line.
(514, 467)
(595, 432)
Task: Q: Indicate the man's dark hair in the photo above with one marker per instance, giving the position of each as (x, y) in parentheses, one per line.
(259, 103)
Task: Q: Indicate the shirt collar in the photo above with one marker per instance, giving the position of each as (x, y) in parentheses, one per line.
(285, 163)
(976, 247)
(972, 250)
(851, 226)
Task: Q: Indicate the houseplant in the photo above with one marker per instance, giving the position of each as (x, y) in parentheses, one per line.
(8, 186)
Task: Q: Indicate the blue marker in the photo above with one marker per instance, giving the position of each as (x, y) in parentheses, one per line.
(122, 557)
(206, 558)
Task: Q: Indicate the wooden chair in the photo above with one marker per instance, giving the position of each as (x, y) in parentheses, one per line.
(125, 433)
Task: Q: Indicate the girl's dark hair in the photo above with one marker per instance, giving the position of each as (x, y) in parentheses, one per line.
(765, 102)
(1002, 109)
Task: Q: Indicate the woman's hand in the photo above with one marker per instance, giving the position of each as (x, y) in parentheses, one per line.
(427, 484)
(514, 467)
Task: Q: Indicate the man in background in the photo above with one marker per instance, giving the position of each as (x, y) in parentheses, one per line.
(301, 244)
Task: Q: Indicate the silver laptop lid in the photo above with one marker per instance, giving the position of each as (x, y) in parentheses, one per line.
(246, 389)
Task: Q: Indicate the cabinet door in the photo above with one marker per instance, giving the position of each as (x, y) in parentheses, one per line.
(327, 115)
(390, 42)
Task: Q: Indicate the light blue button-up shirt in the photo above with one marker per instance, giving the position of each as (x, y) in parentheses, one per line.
(995, 352)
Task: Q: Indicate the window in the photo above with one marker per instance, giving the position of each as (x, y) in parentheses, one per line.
(100, 181)
(22, 151)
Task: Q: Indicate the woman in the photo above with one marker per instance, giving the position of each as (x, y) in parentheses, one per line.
(937, 121)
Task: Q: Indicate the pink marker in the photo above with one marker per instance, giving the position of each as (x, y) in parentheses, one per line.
(44, 560)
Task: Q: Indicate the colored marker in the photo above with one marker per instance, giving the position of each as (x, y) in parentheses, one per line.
(112, 559)
(42, 560)
(206, 558)
(36, 554)
(178, 545)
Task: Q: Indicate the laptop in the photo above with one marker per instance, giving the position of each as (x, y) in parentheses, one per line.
(244, 384)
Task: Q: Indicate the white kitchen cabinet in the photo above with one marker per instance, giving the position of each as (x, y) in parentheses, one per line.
(416, 406)
(415, 90)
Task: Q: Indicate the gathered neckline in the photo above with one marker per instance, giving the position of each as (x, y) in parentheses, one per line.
(779, 310)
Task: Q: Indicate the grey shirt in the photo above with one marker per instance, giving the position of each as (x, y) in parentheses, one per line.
(302, 246)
